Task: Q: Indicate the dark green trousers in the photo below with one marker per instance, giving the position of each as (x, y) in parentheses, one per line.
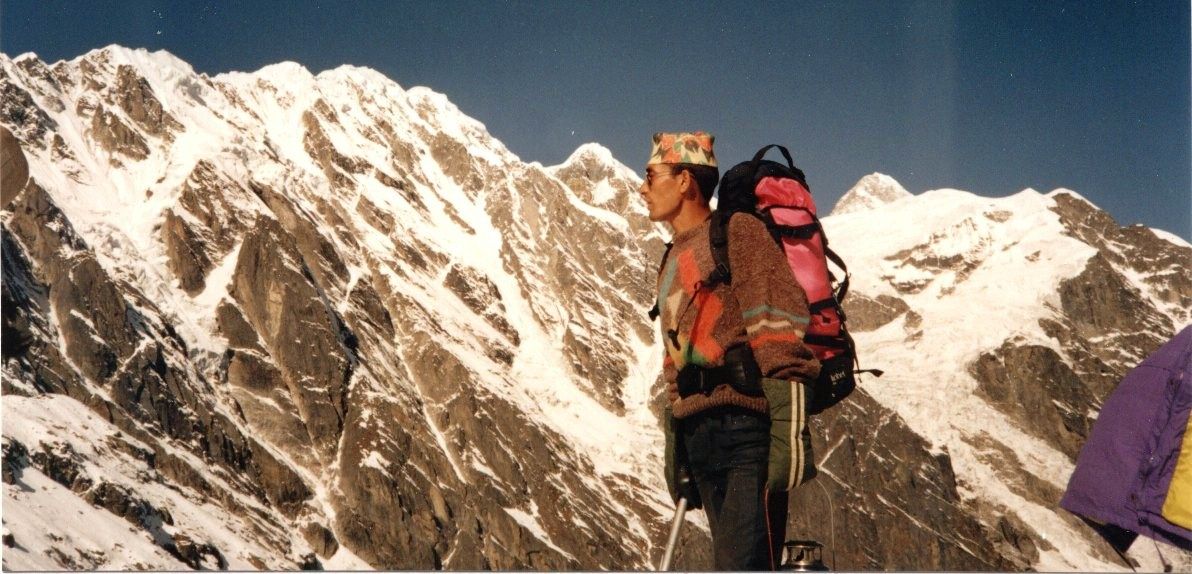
(727, 450)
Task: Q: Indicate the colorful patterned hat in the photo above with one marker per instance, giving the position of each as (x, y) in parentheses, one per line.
(683, 147)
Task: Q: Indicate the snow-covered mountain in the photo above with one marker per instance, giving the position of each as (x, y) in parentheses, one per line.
(317, 319)
(278, 319)
(872, 191)
(1003, 323)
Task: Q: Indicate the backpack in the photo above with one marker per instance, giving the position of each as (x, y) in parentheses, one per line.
(779, 196)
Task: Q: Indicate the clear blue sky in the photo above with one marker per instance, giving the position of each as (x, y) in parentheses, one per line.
(990, 97)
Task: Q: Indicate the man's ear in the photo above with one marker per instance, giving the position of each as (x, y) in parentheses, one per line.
(688, 185)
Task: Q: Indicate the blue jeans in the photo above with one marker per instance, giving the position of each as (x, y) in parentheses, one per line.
(727, 451)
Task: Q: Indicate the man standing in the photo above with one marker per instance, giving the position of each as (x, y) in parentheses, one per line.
(731, 347)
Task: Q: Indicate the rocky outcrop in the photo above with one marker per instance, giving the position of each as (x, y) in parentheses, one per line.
(133, 94)
(211, 215)
(263, 398)
(16, 459)
(336, 166)
(1084, 359)
(321, 539)
(221, 206)
(20, 114)
(1035, 386)
(869, 314)
(1100, 301)
(302, 227)
(187, 252)
(455, 161)
(304, 337)
(112, 134)
(482, 297)
(14, 169)
(1159, 264)
(197, 555)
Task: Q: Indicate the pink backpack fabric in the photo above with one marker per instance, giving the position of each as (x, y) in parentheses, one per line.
(789, 204)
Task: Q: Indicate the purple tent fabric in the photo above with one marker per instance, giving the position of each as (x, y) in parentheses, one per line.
(1125, 468)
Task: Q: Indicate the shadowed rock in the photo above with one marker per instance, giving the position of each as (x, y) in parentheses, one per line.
(866, 314)
(111, 133)
(1037, 389)
(274, 289)
(135, 96)
(14, 169)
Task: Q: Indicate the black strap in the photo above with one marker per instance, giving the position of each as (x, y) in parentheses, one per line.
(740, 371)
(756, 162)
(852, 350)
(654, 311)
(842, 289)
(806, 231)
(822, 304)
(757, 157)
(827, 341)
(718, 241)
(797, 231)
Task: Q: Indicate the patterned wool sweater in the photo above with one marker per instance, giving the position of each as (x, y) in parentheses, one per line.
(763, 307)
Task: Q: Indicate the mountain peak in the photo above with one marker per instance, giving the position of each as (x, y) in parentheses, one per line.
(361, 75)
(591, 150)
(869, 192)
(139, 58)
(594, 155)
(286, 70)
(1066, 191)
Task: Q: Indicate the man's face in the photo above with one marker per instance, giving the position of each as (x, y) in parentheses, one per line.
(663, 192)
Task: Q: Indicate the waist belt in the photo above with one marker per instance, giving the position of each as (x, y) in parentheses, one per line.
(740, 371)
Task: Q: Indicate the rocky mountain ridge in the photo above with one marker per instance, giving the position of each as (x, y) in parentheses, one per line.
(280, 320)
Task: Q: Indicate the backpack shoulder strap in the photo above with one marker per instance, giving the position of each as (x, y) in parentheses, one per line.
(654, 311)
(718, 241)
(832, 256)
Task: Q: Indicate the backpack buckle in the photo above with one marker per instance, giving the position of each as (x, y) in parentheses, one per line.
(722, 273)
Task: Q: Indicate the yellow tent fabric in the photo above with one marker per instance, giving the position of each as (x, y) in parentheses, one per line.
(1177, 508)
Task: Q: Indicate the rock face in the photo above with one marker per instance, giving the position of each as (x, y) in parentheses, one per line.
(365, 344)
(13, 167)
(343, 327)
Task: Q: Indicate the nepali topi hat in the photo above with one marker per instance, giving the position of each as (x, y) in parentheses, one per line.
(683, 147)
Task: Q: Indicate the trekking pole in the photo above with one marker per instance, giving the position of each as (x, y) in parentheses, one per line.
(674, 535)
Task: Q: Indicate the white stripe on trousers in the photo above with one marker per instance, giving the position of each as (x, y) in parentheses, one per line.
(795, 437)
